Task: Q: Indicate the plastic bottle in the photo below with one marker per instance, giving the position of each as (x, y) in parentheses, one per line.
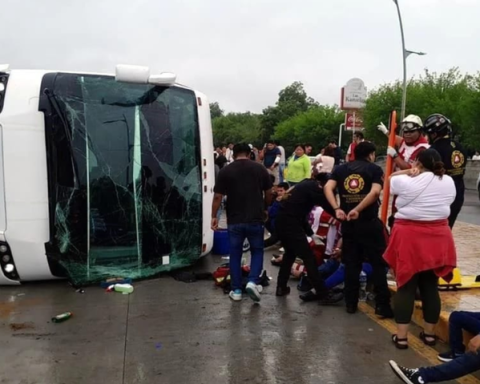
(62, 317)
(363, 287)
(123, 288)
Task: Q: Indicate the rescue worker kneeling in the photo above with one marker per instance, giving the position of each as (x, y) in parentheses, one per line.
(359, 185)
(291, 230)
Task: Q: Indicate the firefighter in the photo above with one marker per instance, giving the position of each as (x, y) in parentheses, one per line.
(359, 185)
(410, 145)
(454, 157)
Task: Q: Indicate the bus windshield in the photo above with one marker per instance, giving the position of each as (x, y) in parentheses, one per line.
(124, 177)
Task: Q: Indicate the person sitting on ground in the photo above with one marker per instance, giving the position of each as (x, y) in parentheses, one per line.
(461, 366)
(272, 214)
(421, 247)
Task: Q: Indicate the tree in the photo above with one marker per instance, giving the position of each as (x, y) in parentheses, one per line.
(237, 127)
(317, 126)
(215, 110)
(291, 100)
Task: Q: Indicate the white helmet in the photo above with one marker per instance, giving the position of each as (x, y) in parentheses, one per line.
(412, 123)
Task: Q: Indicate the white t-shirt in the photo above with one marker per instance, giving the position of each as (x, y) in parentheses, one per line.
(425, 197)
(282, 155)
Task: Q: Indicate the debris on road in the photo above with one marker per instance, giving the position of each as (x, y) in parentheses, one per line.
(62, 317)
(115, 280)
(126, 289)
(20, 326)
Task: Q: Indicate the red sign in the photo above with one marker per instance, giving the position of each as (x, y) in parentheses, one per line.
(350, 123)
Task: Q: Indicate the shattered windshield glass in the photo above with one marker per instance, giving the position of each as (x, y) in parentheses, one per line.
(124, 178)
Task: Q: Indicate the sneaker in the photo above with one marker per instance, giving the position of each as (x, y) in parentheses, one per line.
(236, 295)
(253, 291)
(448, 356)
(409, 376)
(352, 309)
(304, 285)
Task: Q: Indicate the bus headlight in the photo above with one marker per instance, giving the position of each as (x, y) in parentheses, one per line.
(7, 263)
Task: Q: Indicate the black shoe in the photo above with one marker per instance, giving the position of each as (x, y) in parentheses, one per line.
(304, 285)
(282, 291)
(309, 296)
(409, 376)
(352, 309)
(331, 299)
(384, 311)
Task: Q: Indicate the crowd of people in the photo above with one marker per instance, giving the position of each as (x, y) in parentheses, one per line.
(325, 212)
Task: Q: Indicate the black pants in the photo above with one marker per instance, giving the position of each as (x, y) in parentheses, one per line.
(292, 234)
(364, 241)
(456, 207)
(427, 283)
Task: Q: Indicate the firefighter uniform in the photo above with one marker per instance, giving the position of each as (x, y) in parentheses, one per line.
(364, 239)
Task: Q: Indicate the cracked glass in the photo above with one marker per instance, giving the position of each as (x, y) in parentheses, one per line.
(124, 175)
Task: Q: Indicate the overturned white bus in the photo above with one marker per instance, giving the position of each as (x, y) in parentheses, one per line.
(102, 175)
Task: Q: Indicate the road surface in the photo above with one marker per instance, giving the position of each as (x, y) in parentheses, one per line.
(471, 208)
(180, 333)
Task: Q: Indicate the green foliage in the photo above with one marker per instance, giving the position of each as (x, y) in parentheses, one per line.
(215, 110)
(237, 127)
(295, 117)
(455, 95)
(291, 100)
(317, 126)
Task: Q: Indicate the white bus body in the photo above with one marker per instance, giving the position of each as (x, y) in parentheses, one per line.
(101, 178)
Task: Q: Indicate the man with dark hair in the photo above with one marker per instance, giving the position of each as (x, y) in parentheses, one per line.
(359, 184)
(308, 149)
(337, 151)
(292, 229)
(357, 139)
(248, 188)
(271, 160)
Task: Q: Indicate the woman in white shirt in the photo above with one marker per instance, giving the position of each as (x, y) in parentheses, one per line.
(421, 247)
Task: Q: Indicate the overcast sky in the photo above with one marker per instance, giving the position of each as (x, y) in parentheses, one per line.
(242, 53)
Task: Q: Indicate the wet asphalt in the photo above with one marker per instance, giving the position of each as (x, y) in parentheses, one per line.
(470, 212)
(174, 332)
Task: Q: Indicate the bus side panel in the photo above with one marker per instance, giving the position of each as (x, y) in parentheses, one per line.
(26, 192)
(208, 169)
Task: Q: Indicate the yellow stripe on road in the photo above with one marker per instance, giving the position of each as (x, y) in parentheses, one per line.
(413, 342)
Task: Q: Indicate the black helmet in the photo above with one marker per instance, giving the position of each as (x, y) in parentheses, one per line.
(437, 123)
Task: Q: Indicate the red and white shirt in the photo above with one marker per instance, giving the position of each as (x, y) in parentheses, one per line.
(409, 153)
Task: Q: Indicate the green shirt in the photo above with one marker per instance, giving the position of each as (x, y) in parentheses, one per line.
(299, 169)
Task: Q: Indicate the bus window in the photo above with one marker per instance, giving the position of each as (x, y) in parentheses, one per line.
(124, 176)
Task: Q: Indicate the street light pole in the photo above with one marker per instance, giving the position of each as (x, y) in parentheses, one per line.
(406, 53)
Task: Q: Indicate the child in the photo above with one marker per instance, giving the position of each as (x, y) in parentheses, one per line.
(272, 214)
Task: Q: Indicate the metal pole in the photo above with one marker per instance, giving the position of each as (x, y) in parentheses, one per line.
(404, 51)
(340, 129)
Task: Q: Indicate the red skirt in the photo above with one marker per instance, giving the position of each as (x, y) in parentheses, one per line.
(418, 246)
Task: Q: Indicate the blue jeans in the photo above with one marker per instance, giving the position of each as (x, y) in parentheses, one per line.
(281, 168)
(237, 233)
(461, 366)
(459, 320)
(338, 277)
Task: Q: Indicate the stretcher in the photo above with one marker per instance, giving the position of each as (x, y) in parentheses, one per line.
(459, 282)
